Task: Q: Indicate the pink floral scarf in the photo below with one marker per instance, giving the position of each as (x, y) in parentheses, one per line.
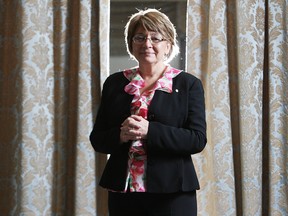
(136, 178)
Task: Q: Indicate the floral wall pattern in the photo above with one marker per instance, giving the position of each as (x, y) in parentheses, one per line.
(238, 49)
(54, 58)
(50, 77)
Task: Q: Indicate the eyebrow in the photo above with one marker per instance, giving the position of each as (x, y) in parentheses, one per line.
(151, 33)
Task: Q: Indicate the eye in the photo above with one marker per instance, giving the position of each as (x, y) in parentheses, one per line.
(156, 39)
(139, 38)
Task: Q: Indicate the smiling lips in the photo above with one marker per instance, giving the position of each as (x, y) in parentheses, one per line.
(147, 53)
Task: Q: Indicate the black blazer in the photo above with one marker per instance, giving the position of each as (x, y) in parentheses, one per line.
(177, 129)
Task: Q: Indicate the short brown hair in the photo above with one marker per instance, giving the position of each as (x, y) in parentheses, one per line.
(152, 20)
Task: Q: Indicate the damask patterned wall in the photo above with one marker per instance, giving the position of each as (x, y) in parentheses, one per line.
(239, 50)
(51, 68)
(54, 57)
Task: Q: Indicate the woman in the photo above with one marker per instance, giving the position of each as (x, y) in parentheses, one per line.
(151, 119)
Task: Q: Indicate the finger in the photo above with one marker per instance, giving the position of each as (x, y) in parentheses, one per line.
(136, 117)
(127, 121)
(128, 125)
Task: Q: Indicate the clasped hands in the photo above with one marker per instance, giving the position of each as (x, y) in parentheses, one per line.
(134, 128)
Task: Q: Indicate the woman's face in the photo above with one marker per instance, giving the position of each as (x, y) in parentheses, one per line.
(152, 49)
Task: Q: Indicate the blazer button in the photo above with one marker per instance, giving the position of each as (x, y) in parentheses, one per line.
(151, 117)
(150, 163)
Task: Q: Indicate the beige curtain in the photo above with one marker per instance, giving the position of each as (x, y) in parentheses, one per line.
(240, 51)
(51, 67)
(53, 60)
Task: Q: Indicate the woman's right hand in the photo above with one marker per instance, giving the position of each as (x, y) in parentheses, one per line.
(133, 128)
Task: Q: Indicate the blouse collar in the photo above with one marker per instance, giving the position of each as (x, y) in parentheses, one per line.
(164, 83)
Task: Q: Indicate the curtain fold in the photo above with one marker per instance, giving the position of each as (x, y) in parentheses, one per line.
(50, 87)
(239, 50)
(54, 58)
(11, 110)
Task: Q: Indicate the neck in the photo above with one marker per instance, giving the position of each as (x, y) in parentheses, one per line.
(152, 71)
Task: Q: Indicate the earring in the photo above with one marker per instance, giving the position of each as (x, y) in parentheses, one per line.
(165, 56)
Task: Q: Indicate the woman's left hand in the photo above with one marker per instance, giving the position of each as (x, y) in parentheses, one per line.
(134, 128)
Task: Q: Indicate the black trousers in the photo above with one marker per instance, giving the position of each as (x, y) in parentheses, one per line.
(150, 204)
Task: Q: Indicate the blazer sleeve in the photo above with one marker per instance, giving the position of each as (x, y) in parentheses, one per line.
(105, 136)
(181, 137)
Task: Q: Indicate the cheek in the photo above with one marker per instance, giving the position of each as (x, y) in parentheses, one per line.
(168, 47)
(163, 50)
(135, 48)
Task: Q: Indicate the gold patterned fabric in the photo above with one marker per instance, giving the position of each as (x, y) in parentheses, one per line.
(50, 75)
(54, 58)
(239, 50)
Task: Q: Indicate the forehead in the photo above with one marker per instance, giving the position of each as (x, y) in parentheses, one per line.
(142, 30)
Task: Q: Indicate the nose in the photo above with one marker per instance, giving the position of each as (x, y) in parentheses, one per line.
(148, 42)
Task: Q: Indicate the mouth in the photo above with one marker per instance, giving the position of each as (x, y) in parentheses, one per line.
(147, 53)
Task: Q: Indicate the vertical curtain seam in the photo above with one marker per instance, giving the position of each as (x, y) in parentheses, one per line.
(265, 119)
(232, 50)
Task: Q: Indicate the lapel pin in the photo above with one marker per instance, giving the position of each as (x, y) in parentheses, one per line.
(176, 90)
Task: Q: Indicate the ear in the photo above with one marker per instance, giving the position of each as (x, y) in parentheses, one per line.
(168, 48)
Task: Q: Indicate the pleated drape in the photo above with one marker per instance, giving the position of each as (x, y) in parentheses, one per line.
(54, 58)
(239, 50)
(51, 67)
